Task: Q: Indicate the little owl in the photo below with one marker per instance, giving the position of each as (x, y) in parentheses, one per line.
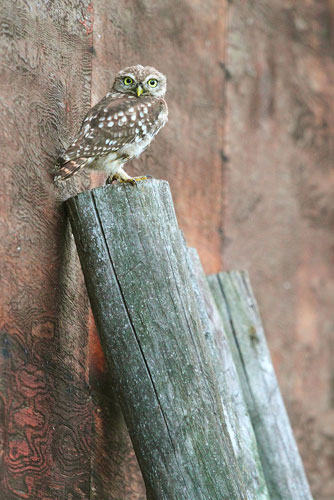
(119, 127)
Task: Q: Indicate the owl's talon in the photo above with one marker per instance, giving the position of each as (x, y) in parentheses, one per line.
(143, 178)
(127, 180)
(112, 178)
(123, 177)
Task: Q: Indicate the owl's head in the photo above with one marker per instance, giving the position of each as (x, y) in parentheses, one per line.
(140, 81)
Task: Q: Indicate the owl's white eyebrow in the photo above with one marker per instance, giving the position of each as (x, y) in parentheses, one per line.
(151, 76)
(128, 74)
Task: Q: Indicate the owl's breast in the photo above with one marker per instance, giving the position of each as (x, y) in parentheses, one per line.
(137, 147)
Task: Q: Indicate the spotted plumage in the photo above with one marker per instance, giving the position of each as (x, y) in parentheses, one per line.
(120, 127)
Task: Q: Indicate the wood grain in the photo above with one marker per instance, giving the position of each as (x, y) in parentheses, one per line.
(115, 473)
(278, 451)
(186, 41)
(236, 415)
(247, 151)
(48, 417)
(278, 212)
(142, 298)
(46, 405)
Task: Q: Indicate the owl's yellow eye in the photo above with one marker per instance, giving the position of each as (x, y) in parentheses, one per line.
(152, 82)
(127, 80)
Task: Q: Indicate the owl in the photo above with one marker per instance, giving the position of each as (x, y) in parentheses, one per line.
(119, 127)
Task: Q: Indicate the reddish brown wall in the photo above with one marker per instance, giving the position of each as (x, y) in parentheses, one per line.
(51, 422)
(258, 199)
(179, 39)
(45, 88)
(185, 40)
(278, 196)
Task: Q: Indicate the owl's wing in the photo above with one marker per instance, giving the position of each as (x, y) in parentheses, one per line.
(114, 122)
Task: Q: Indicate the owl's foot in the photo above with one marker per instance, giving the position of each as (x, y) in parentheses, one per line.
(123, 177)
(143, 178)
(120, 178)
(117, 177)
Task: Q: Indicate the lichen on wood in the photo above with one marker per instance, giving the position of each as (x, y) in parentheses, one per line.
(235, 411)
(279, 454)
(146, 312)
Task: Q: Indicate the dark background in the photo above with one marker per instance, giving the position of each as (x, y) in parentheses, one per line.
(248, 151)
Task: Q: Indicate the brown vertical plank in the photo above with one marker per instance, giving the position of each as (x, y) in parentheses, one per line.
(53, 411)
(278, 202)
(185, 40)
(46, 411)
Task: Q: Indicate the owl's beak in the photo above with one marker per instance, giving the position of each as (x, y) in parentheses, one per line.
(140, 90)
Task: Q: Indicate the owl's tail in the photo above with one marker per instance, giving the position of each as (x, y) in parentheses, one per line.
(69, 168)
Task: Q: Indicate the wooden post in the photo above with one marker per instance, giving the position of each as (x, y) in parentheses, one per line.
(141, 294)
(279, 454)
(235, 411)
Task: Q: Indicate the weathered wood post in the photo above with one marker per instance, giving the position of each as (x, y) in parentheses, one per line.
(141, 294)
(279, 454)
(234, 407)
